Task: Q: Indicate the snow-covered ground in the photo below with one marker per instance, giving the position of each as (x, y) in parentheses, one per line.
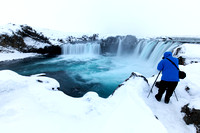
(9, 28)
(33, 103)
(28, 104)
(190, 52)
(170, 114)
(15, 55)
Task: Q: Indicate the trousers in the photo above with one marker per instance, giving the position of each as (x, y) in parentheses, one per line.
(167, 86)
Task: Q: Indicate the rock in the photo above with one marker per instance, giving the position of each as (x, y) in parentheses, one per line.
(40, 81)
(192, 116)
(181, 60)
(14, 41)
(49, 50)
(187, 88)
(136, 75)
(27, 31)
(128, 43)
(111, 44)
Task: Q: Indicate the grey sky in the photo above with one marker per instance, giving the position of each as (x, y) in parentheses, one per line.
(142, 18)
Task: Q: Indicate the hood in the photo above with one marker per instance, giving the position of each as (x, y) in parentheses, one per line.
(167, 54)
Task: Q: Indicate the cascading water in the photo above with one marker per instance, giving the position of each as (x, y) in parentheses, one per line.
(81, 49)
(152, 50)
(119, 49)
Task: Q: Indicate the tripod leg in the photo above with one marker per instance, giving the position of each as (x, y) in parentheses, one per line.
(176, 96)
(153, 84)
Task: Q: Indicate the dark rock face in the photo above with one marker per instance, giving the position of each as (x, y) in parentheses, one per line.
(177, 51)
(181, 60)
(135, 75)
(49, 50)
(192, 116)
(27, 31)
(128, 44)
(14, 41)
(111, 44)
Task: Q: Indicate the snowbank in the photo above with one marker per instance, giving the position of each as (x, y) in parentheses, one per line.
(192, 82)
(15, 55)
(31, 104)
(170, 114)
(9, 29)
(28, 104)
(35, 44)
(190, 52)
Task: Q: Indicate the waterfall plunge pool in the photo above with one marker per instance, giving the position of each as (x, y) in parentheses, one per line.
(78, 74)
(82, 68)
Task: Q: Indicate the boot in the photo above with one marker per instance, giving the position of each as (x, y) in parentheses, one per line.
(157, 97)
(166, 100)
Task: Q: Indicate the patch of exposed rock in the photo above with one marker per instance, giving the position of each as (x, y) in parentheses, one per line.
(192, 116)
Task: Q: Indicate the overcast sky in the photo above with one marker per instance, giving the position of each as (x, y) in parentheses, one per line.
(142, 18)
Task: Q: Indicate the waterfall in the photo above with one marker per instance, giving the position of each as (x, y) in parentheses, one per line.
(119, 49)
(152, 50)
(137, 51)
(81, 49)
(148, 50)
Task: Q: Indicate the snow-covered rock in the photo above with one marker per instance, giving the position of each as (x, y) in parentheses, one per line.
(189, 53)
(28, 104)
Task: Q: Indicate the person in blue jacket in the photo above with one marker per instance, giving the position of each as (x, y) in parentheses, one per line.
(170, 77)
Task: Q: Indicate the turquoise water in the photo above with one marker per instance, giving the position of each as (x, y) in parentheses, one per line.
(78, 74)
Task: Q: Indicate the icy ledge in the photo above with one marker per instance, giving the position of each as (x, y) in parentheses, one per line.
(30, 104)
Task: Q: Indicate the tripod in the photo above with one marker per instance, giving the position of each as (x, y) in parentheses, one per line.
(155, 83)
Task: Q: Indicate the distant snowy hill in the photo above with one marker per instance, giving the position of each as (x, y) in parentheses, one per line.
(44, 36)
(26, 39)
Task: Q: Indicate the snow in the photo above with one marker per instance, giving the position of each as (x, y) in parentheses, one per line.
(31, 106)
(33, 103)
(190, 52)
(15, 55)
(9, 29)
(28, 104)
(35, 44)
(170, 114)
(11, 54)
(52, 35)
